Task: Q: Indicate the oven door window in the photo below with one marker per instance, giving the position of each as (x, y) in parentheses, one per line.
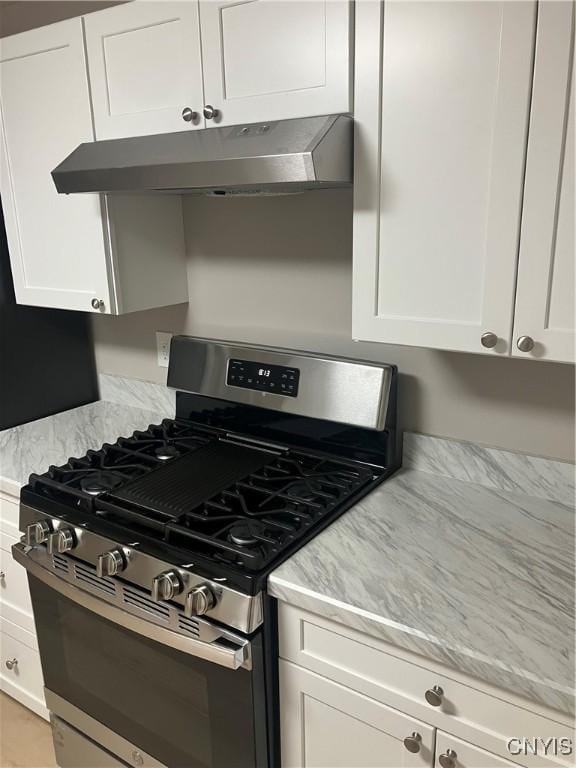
(184, 711)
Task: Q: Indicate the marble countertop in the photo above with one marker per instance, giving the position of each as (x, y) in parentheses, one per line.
(478, 578)
(33, 447)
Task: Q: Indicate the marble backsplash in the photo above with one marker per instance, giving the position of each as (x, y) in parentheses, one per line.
(490, 467)
(138, 394)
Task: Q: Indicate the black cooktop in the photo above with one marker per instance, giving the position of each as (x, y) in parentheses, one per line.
(235, 503)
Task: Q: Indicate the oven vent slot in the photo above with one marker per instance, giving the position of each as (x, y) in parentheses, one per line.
(87, 574)
(188, 626)
(141, 601)
(60, 563)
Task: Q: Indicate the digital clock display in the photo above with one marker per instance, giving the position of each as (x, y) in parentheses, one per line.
(277, 379)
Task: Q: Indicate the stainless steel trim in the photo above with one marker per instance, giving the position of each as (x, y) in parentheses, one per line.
(235, 609)
(282, 155)
(99, 733)
(233, 654)
(75, 750)
(335, 389)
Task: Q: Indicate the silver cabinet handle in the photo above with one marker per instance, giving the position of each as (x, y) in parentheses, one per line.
(489, 340)
(189, 115)
(12, 663)
(448, 759)
(413, 743)
(525, 343)
(434, 696)
(210, 112)
(97, 303)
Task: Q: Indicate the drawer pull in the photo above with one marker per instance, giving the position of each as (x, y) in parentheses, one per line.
(448, 759)
(2, 575)
(412, 743)
(11, 663)
(434, 696)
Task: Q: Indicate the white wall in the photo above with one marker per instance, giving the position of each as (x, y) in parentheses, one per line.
(278, 271)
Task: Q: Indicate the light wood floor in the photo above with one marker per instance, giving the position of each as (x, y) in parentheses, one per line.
(25, 738)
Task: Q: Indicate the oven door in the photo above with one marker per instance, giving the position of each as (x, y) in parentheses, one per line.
(148, 695)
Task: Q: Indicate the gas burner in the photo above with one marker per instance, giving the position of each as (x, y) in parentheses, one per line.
(166, 452)
(246, 533)
(98, 482)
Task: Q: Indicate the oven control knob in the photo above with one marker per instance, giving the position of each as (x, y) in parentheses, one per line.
(166, 586)
(110, 563)
(199, 601)
(62, 540)
(37, 533)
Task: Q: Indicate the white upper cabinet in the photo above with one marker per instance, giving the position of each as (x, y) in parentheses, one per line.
(259, 60)
(145, 68)
(275, 59)
(545, 295)
(442, 93)
(56, 244)
(80, 252)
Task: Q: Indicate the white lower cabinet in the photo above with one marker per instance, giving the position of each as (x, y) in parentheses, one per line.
(348, 700)
(82, 252)
(325, 725)
(455, 753)
(20, 668)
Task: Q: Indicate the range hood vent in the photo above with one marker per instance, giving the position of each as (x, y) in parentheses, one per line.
(276, 157)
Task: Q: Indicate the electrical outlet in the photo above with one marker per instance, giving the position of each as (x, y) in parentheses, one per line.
(163, 348)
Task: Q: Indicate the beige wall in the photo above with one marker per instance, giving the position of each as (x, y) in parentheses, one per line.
(278, 271)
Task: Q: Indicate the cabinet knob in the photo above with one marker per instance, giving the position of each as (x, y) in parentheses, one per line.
(2, 575)
(525, 343)
(448, 759)
(12, 663)
(189, 115)
(434, 696)
(97, 303)
(210, 113)
(412, 743)
(489, 340)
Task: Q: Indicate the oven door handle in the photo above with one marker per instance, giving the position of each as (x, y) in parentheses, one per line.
(232, 654)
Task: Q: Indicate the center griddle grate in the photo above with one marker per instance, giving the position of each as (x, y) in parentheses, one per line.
(175, 489)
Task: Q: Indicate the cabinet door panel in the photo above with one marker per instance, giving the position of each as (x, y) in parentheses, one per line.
(545, 295)
(467, 755)
(296, 63)
(55, 241)
(325, 725)
(439, 168)
(145, 68)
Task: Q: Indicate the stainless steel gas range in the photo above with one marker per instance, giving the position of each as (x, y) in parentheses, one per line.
(147, 558)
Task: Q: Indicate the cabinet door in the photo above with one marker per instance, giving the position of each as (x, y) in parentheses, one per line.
(325, 725)
(145, 68)
(462, 754)
(441, 106)
(545, 295)
(275, 59)
(56, 241)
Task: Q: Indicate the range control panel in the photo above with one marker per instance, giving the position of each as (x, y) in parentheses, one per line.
(261, 377)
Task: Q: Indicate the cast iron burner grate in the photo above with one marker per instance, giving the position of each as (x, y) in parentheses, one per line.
(209, 494)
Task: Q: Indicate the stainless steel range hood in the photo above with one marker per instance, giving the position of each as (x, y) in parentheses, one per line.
(275, 157)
